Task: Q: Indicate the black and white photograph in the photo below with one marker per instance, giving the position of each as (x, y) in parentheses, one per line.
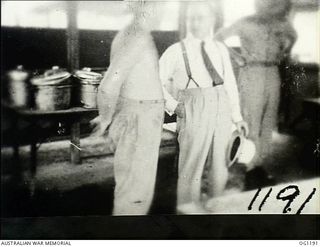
(149, 119)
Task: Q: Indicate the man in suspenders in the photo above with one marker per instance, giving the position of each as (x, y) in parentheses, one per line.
(200, 87)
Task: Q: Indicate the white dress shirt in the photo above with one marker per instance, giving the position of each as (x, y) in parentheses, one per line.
(174, 76)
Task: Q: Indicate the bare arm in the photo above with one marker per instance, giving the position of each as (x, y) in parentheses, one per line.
(290, 38)
(225, 33)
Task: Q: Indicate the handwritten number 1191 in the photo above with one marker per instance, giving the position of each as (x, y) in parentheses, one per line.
(280, 196)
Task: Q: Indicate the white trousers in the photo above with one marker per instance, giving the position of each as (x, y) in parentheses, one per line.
(203, 136)
(135, 135)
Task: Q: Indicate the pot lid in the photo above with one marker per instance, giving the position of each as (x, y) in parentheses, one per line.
(18, 74)
(51, 77)
(87, 74)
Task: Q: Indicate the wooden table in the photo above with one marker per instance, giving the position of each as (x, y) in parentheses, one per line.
(72, 117)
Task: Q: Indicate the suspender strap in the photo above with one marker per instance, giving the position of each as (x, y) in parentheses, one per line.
(187, 64)
(186, 60)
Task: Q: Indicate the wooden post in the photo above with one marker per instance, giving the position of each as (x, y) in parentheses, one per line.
(17, 169)
(75, 143)
(33, 158)
(219, 15)
(72, 36)
(73, 64)
(182, 20)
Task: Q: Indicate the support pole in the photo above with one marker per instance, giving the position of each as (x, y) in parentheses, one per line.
(75, 149)
(72, 36)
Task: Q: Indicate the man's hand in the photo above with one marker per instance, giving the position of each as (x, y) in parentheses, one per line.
(242, 127)
(180, 110)
(98, 127)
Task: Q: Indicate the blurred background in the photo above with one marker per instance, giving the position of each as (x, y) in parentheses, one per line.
(102, 16)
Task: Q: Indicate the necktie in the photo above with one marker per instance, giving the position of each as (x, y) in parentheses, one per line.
(216, 78)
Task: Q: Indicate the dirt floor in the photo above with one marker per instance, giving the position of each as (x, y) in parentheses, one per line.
(64, 189)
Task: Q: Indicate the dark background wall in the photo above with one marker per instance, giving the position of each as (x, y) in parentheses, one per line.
(42, 48)
(39, 49)
(33, 48)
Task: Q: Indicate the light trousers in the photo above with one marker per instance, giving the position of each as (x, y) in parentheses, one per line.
(260, 96)
(135, 136)
(203, 136)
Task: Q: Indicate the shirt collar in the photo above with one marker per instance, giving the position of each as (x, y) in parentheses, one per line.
(190, 37)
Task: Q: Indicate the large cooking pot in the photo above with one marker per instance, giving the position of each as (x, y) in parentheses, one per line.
(18, 90)
(89, 83)
(240, 149)
(52, 90)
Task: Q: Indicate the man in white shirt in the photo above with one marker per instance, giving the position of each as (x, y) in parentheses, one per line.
(200, 87)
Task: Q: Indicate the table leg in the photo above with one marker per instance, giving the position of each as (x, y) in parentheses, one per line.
(33, 158)
(33, 167)
(17, 169)
(75, 143)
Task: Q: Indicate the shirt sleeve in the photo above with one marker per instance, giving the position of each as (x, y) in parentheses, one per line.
(231, 85)
(290, 31)
(166, 67)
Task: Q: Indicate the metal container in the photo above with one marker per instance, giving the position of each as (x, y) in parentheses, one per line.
(89, 83)
(17, 87)
(52, 90)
